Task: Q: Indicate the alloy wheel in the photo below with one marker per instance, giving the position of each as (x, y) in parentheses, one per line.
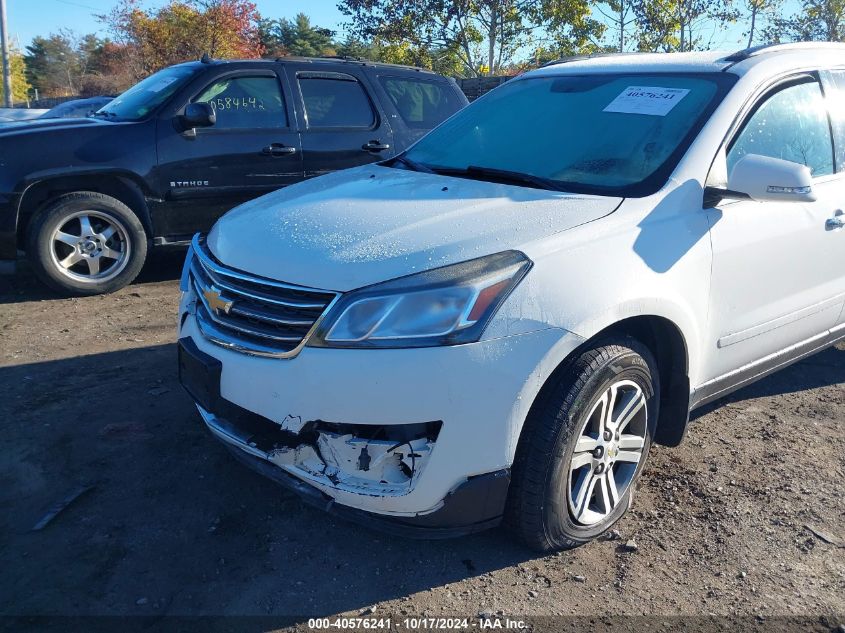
(607, 453)
(90, 246)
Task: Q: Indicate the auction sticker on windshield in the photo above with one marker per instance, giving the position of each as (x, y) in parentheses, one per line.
(647, 100)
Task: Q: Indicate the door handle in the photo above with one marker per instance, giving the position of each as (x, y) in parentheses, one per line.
(375, 146)
(836, 222)
(277, 149)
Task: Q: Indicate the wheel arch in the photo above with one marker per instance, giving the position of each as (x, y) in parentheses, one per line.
(668, 344)
(123, 187)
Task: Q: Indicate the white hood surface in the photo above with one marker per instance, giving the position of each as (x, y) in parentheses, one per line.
(361, 226)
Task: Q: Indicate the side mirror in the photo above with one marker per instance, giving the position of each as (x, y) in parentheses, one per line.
(198, 115)
(768, 179)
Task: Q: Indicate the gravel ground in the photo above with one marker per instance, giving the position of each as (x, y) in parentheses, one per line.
(745, 519)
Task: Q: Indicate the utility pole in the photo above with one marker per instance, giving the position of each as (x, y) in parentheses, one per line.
(4, 44)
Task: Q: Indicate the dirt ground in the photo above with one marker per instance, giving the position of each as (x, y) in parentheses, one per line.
(746, 518)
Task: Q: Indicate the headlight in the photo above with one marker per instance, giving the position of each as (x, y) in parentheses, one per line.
(444, 306)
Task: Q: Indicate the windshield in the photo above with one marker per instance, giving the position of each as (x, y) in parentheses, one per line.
(611, 134)
(147, 95)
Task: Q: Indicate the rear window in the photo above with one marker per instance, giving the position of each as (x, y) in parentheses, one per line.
(421, 104)
(335, 100)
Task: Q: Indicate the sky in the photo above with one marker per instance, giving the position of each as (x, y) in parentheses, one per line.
(28, 18)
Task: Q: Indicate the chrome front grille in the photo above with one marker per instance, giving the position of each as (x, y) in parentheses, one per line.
(252, 314)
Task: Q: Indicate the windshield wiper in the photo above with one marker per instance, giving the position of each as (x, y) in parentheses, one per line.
(413, 165)
(501, 175)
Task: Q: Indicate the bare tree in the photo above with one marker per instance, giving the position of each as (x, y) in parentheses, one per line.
(620, 18)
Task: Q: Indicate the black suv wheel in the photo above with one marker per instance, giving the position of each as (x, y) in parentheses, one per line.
(86, 243)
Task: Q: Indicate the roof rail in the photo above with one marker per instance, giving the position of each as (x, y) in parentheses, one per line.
(579, 58)
(349, 59)
(346, 58)
(310, 58)
(754, 51)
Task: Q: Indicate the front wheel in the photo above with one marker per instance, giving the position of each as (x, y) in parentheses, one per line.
(87, 243)
(584, 446)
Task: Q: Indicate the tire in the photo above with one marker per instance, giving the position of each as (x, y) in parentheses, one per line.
(562, 449)
(86, 243)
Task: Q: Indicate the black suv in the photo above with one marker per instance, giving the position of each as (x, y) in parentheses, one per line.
(85, 197)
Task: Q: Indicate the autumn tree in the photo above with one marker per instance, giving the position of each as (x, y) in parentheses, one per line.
(441, 60)
(53, 64)
(820, 20)
(62, 63)
(572, 30)
(20, 84)
(107, 73)
(680, 25)
(621, 22)
(758, 13)
(483, 35)
(182, 30)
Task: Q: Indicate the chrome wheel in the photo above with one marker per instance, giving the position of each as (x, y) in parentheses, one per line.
(90, 246)
(607, 452)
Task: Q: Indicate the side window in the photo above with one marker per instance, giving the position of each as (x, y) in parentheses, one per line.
(335, 102)
(421, 104)
(836, 100)
(791, 124)
(246, 102)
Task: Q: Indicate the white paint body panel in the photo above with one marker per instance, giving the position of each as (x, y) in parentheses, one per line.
(364, 225)
(481, 392)
(716, 274)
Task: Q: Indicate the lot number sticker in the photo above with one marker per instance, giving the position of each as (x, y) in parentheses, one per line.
(647, 100)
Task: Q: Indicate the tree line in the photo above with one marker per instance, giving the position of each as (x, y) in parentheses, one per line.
(461, 38)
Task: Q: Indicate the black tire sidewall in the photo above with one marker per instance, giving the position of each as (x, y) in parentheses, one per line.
(629, 364)
(56, 213)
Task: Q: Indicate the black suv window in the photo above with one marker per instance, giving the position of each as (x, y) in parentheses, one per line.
(792, 125)
(335, 100)
(421, 104)
(246, 102)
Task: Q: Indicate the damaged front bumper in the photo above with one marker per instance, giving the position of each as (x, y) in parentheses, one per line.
(473, 506)
(410, 440)
(379, 461)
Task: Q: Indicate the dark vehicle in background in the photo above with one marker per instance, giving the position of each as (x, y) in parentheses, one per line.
(76, 108)
(86, 197)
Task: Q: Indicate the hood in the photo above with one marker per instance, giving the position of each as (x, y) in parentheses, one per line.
(30, 125)
(369, 224)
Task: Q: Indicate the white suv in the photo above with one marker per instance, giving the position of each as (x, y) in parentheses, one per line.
(498, 323)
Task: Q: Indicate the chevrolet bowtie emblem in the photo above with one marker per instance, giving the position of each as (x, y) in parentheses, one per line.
(215, 301)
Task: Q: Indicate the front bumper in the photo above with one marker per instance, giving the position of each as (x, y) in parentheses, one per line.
(479, 394)
(475, 505)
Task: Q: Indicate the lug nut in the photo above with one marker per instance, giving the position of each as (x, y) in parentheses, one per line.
(600, 469)
(598, 452)
(607, 436)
